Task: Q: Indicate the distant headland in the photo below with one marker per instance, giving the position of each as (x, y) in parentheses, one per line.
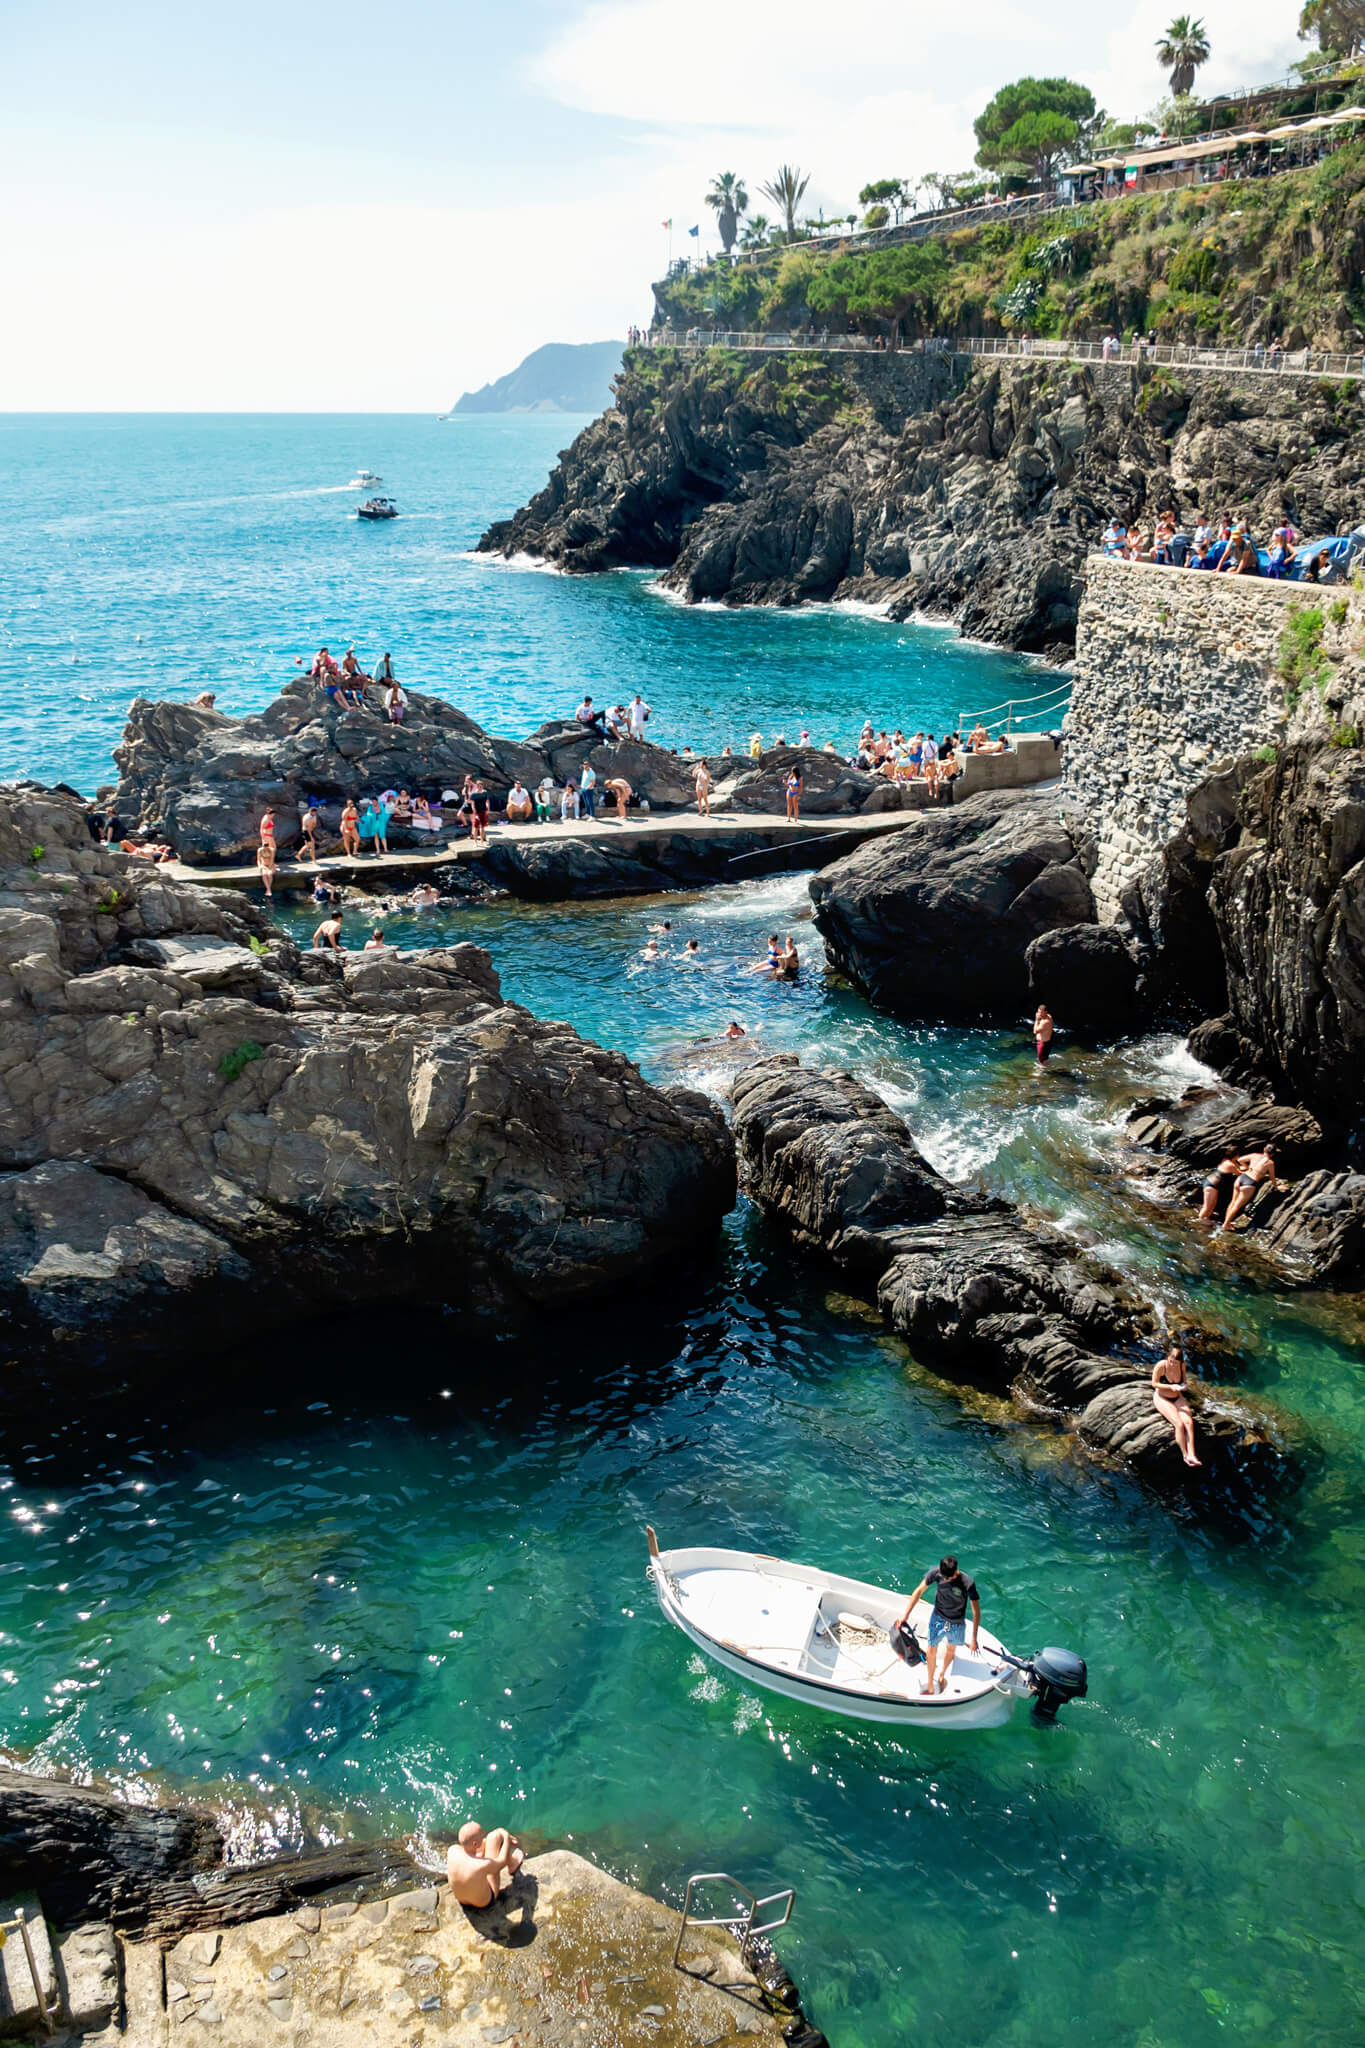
(560, 377)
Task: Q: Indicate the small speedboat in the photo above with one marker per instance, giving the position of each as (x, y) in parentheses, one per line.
(365, 480)
(377, 508)
(816, 1637)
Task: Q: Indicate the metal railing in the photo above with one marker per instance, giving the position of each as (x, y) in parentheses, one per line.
(1298, 362)
(1048, 703)
(745, 1925)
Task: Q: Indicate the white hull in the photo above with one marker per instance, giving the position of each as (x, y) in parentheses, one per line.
(785, 1628)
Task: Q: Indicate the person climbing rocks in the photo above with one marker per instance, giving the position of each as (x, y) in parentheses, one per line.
(1254, 1170)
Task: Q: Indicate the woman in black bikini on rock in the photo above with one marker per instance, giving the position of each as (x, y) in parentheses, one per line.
(1171, 1398)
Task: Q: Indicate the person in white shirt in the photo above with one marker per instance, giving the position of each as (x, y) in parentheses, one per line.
(588, 718)
(637, 715)
(518, 803)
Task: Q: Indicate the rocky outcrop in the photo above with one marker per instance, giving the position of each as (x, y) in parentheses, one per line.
(194, 1116)
(1256, 910)
(985, 1294)
(203, 780)
(1086, 974)
(933, 484)
(938, 919)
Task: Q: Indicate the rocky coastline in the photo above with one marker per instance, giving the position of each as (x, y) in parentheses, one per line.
(140, 1930)
(963, 489)
(991, 1298)
(197, 1117)
(201, 779)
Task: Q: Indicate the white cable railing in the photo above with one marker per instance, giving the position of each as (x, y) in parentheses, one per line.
(1046, 705)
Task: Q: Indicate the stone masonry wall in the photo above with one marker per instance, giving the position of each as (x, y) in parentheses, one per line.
(1175, 671)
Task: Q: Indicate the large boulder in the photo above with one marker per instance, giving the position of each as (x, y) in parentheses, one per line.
(828, 784)
(993, 1298)
(937, 920)
(190, 1108)
(1087, 974)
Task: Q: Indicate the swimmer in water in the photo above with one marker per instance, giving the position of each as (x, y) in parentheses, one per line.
(791, 960)
(651, 955)
(691, 954)
(666, 926)
(736, 1030)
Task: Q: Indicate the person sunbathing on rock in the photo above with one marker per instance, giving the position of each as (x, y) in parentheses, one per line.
(1213, 1187)
(478, 1862)
(1171, 1398)
(1254, 1169)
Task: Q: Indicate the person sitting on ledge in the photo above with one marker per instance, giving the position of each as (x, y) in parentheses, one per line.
(477, 1864)
(518, 803)
(1254, 1170)
(1171, 1399)
(545, 799)
(589, 719)
(1248, 562)
(978, 739)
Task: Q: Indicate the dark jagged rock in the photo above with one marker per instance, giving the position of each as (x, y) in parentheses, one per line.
(972, 490)
(1087, 974)
(193, 1114)
(1257, 911)
(990, 1297)
(1319, 1226)
(203, 779)
(156, 1871)
(937, 920)
(1206, 1125)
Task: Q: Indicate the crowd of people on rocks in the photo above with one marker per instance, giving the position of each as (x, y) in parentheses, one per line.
(1225, 545)
(346, 682)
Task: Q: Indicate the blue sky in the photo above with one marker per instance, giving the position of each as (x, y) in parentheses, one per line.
(346, 206)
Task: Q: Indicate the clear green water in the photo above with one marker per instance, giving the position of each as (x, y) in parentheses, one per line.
(399, 1574)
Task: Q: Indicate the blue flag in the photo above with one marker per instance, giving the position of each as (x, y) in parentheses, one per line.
(694, 231)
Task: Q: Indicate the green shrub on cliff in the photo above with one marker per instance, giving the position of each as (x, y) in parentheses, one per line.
(1302, 660)
(1209, 263)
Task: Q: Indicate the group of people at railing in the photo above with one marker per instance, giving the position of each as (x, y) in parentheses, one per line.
(1228, 547)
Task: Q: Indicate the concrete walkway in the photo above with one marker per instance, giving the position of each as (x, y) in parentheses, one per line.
(748, 833)
(568, 1958)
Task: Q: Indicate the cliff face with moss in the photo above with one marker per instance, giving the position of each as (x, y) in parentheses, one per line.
(1218, 263)
(971, 490)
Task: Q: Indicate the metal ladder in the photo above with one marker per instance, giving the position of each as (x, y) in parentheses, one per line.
(745, 1926)
(46, 2013)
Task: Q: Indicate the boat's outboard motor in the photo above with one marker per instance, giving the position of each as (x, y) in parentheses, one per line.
(1058, 1676)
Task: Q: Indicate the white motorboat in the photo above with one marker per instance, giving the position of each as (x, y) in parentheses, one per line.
(365, 480)
(817, 1637)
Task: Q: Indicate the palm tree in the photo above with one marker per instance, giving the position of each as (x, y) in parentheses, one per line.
(787, 190)
(757, 229)
(1182, 50)
(727, 200)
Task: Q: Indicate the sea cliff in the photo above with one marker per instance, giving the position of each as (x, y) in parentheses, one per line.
(932, 483)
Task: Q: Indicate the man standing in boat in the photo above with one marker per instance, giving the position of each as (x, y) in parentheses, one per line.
(953, 1592)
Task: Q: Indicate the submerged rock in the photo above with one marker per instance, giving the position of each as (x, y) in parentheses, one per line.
(937, 920)
(195, 1117)
(989, 1296)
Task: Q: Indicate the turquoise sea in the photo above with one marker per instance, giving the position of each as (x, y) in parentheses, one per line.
(394, 1571)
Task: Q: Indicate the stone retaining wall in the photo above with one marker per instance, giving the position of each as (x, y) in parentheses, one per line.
(1175, 670)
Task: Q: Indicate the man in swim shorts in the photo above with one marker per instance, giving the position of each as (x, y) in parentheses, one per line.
(953, 1590)
(1254, 1169)
(477, 1863)
(1042, 1033)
